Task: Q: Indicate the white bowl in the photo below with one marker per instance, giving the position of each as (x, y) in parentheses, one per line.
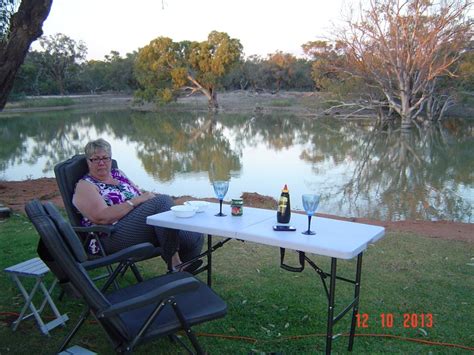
(183, 211)
(200, 205)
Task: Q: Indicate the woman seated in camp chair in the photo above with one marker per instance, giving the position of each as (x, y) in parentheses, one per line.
(107, 196)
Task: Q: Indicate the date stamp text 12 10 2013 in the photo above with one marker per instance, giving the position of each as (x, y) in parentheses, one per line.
(389, 320)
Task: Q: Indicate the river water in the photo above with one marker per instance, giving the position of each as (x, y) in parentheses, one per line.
(358, 170)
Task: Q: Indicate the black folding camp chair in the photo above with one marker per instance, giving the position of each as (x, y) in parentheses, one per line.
(68, 173)
(120, 260)
(156, 307)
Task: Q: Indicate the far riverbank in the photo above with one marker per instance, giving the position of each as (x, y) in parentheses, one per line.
(14, 194)
(302, 104)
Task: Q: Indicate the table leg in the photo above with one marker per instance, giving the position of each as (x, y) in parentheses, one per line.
(28, 304)
(332, 291)
(209, 260)
(48, 299)
(355, 310)
(49, 291)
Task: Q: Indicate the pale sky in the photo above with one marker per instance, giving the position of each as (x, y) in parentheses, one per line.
(262, 26)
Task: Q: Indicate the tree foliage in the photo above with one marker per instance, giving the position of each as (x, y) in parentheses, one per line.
(465, 71)
(7, 9)
(114, 73)
(32, 79)
(165, 68)
(326, 61)
(60, 56)
(281, 68)
(402, 47)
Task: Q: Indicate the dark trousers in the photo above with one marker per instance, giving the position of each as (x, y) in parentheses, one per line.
(132, 229)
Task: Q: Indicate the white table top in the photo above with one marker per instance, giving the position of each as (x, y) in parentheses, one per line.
(333, 238)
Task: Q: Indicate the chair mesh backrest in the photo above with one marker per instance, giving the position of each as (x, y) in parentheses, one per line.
(68, 234)
(62, 255)
(76, 273)
(67, 175)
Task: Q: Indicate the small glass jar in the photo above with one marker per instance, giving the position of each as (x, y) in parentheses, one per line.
(237, 206)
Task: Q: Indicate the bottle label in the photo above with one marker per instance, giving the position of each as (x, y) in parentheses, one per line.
(282, 204)
(237, 207)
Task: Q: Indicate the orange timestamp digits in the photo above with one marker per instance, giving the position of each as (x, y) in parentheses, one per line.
(388, 320)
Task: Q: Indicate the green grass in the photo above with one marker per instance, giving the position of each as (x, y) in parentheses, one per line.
(272, 310)
(49, 102)
(282, 103)
(41, 102)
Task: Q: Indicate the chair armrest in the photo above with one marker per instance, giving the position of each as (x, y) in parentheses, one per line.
(142, 250)
(157, 251)
(96, 228)
(152, 297)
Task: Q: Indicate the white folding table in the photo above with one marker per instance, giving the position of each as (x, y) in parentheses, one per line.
(334, 238)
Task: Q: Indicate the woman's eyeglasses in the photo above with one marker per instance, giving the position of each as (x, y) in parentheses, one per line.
(97, 160)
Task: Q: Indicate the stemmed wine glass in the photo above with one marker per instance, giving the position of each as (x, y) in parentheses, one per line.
(220, 188)
(310, 204)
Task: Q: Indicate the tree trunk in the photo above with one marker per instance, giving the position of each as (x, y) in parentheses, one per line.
(212, 100)
(405, 109)
(25, 27)
(406, 123)
(61, 87)
(210, 93)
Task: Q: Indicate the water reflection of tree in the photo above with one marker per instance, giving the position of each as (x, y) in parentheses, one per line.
(52, 136)
(326, 140)
(410, 175)
(274, 131)
(167, 144)
(419, 174)
(182, 143)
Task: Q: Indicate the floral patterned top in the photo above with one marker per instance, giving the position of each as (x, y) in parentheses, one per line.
(113, 194)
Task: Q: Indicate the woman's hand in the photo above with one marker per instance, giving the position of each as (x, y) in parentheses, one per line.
(90, 203)
(145, 196)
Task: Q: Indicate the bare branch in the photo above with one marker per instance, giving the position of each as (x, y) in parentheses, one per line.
(402, 47)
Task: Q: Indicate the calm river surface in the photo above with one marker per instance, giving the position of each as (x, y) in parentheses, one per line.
(358, 170)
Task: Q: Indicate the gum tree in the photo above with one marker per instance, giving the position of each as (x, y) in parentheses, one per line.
(60, 55)
(281, 67)
(19, 27)
(401, 47)
(165, 68)
(326, 63)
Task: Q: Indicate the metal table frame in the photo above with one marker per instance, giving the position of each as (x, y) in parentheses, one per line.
(255, 230)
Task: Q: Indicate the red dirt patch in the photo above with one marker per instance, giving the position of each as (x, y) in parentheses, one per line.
(14, 194)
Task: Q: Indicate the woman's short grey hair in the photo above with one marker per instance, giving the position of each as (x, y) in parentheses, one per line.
(98, 144)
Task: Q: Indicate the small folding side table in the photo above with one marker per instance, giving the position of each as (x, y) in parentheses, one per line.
(77, 350)
(37, 269)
